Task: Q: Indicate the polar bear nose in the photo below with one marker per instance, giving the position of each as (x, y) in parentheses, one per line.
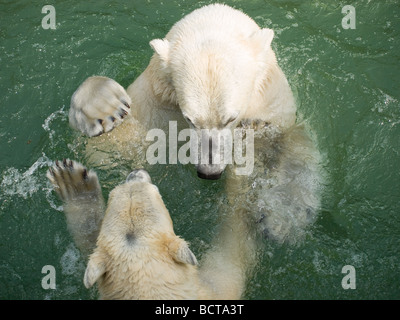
(213, 176)
(139, 175)
(211, 164)
(209, 171)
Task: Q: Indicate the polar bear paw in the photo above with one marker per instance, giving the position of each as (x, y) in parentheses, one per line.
(98, 105)
(72, 181)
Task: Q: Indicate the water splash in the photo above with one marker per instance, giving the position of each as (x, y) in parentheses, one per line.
(16, 182)
(61, 113)
(70, 261)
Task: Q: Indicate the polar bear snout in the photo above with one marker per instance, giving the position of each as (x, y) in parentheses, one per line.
(214, 150)
(139, 175)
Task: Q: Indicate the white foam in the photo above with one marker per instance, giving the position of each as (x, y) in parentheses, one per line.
(70, 261)
(21, 183)
(56, 114)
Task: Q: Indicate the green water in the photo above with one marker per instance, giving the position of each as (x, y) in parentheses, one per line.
(347, 85)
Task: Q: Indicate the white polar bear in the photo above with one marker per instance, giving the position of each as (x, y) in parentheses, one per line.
(215, 66)
(215, 69)
(137, 254)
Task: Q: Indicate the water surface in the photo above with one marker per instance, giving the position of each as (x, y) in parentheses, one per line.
(347, 86)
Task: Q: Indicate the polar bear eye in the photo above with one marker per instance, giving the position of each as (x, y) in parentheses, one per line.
(189, 121)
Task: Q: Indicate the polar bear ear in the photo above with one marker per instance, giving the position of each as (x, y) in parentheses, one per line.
(263, 37)
(94, 270)
(161, 47)
(180, 252)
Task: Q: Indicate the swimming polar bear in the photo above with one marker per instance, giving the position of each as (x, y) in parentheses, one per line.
(137, 254)
(214, 68)
(215, 71)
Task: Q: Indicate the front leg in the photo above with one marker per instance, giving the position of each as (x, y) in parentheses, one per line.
(98, 105)
(285, 186)
(83, 203)
(289, 196)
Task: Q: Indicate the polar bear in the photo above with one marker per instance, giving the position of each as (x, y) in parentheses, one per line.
(214, 68)
(214, 71)
(137, 254)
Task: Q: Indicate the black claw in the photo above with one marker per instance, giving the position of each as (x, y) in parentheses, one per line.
(58, 164)
(126, 105)
(123, 113)
(112, 119)
(84, 174)
(51, 171)
(100, 121)
(65, 163)
(71, 164)
(261, 218)
(100, 133)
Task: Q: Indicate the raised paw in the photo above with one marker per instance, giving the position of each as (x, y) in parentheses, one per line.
(71, 180)
(98, 105)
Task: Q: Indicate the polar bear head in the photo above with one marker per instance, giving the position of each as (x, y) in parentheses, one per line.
(214, 75)
(137, 249)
